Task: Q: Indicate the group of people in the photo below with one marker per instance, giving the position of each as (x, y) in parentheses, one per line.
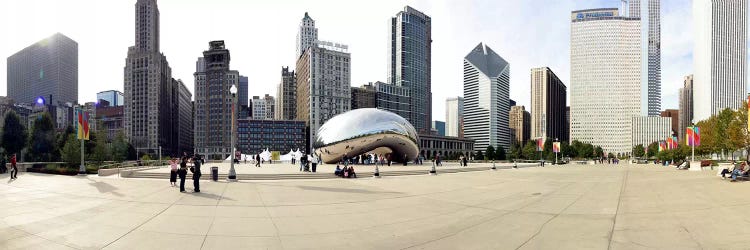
(194, 167)
(346, 172)
(13, 167)
(257, 160)
(308, 163)
(739, 170)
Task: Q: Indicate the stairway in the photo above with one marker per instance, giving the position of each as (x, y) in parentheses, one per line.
(308, 175)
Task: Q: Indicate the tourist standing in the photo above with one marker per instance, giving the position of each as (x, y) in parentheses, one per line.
(173, 172)
(466, 161)
(406, 159)
(182, 173)
(196, 174)
(13, 167)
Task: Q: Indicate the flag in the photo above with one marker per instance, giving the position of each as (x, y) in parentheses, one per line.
(675, 144)
(540, 144)
(669, 142)
(556, 147)
(690, 136)
(662, 146)
(82, 124)
(697, 136)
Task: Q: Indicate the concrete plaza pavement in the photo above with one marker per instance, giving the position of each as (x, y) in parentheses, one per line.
(565, 207)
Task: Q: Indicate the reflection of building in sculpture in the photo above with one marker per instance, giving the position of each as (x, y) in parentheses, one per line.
(363, 131)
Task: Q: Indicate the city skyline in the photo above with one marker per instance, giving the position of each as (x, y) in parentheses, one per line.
(102, 43)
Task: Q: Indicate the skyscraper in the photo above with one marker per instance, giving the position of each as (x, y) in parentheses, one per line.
(286, 96)
(364, 96)
(213, 103)
(720, 56)
(686, 106)
(183, 120)
(648, 11)
(673, 114)
(259, 108)
(113, 97)
(270, 107)
(242, 93)
(548, 102)
(323, 85)
(307, 35)
(520, 125)
(46, 68)
(605, 83)
(454, 115)
(410, 63)
(486, 94)
(148, 85)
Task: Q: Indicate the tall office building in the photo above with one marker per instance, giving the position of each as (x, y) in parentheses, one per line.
(258, 108)
(605, 84)
(270, 107)
(486, 98)
(307, 35)
(394, 98)
(364, 96)
(438, 127)
(242, 95)
(674, 115)
(148, 86)
(520, 125)
(567, 122)
(454, 116)
(213, 103)
(648, 11)
(323, 85)
(649, 129)
(46, 68)
(183, 119)
(286, 96)
(548, 102)
(113, 97)
(719, 57)
(411, 62)
(686, 106)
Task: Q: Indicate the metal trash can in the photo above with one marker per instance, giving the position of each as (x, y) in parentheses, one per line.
(314, 166)
(215, 173)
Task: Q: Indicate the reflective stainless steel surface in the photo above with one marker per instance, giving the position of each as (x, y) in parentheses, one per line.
(363, 131)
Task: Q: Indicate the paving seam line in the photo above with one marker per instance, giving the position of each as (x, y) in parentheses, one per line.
(617, 211)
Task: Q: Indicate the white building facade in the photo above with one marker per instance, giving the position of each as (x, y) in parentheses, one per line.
(454, 114)
(486, 98)
(719, 57)
(649, 13)
(649, 129)
(605, 84)
(307, 35)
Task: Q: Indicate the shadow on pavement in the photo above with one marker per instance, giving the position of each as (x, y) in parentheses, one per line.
(104, 187)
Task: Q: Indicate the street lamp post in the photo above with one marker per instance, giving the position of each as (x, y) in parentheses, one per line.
(232, 176)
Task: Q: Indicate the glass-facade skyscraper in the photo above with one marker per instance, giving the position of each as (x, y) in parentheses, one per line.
(410, 64)
(113, 97)
(46, 68)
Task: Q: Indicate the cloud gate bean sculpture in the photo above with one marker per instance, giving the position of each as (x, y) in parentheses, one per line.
(365, 131)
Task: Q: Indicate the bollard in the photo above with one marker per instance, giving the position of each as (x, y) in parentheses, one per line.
(377, 172)
(515, 164)
(493, 166)
(433, 171)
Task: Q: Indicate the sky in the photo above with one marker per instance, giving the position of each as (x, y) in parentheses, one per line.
(261, 38)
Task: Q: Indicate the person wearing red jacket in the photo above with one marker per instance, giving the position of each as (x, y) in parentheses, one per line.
(13, 167)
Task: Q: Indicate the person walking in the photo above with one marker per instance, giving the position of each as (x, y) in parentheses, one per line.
(182, 173)
(257, 160)
(196, 174)
(173, 172)
(301, 164)
(466, 161)
(13, 168)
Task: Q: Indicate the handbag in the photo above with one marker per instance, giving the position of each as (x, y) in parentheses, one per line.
(192, 169)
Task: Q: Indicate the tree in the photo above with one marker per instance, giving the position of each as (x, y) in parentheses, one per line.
(71, 152)
(515, 151)
(598, 152)
(101, 150)
(43, 147)
(62, 138)
(490, 155)
(119, 147)
(479, 155)
(611, 155)
(548, 154)
(638, 150)
(500, 154)
(14, 134)
(529, 151)
(737, 130)
(565, 149)
(653, 149)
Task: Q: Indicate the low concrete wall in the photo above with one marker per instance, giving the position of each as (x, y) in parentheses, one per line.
(124, 172)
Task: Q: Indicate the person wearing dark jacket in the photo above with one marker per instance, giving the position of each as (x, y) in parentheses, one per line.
(196, 174)
(182, 173)
(13, 167)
